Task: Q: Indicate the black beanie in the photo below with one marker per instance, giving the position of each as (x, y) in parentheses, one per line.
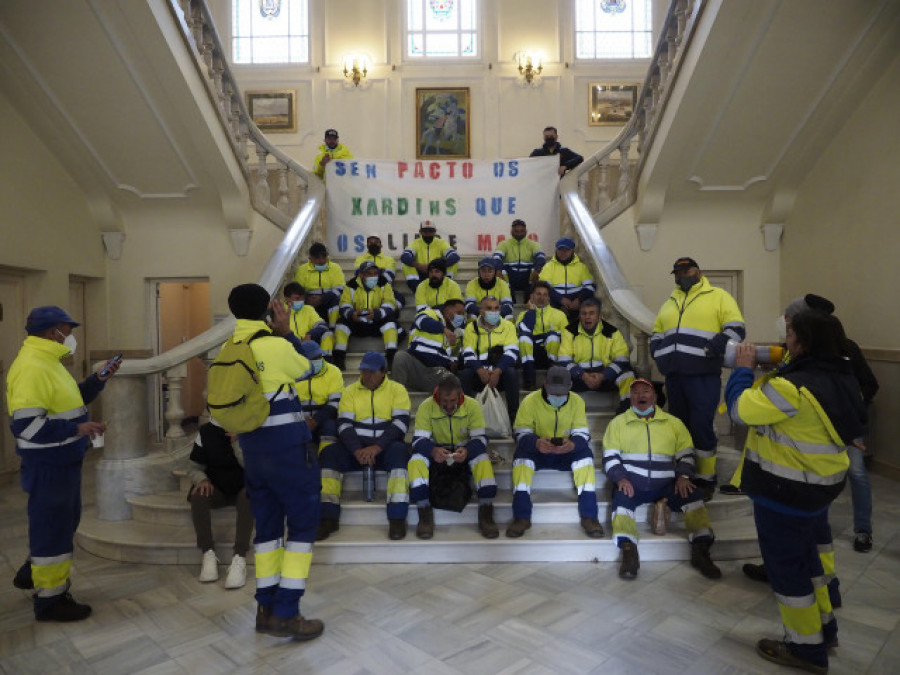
(248, 301)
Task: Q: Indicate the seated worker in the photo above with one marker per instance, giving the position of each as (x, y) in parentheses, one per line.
(450, 427)
(329, 150)
(648, 454)
(216, 470)
(439, 288)
(323, 281)
(540, 330)
(373, 418)
(305, 322)
(570, 280)
(320, 396)
(423, 249)
(490, 352)
(596, 355)
(367, 309)
(552, 433)
(522, 259)
(488, 283)
(434, 347)
(384, 262)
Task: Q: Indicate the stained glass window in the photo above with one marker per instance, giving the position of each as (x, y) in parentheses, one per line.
(270, 31)
(613, 29)
(441, 28)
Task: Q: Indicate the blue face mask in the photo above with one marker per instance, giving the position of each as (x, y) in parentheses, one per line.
(643, 413)
(556, 401)
(492, 318)
(459, 320)
(321, 268)
(370, 282)
(297, 305)
(317, 365)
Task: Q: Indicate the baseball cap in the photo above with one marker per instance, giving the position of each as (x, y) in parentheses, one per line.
(42, 318)
(558, 382)
(311, 350)
(683, 264)
(373, 361)
(641, 380)
(365, 265)
(427, 225)
(331, 132)
(488, 262)
(565, 242)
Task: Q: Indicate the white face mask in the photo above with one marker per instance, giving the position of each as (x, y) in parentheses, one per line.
(69, 341)
(781, 328)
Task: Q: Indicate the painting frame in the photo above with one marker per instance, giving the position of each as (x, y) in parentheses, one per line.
(273, 110)
(611, 104)
(434, 105)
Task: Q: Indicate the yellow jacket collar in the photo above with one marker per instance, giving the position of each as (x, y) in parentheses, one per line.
(52, 349)
(246, 328)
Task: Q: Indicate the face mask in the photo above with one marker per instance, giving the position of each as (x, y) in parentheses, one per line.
(69, 341)
(370, 282)
(297, 305)
(428, 239)
(519, 238)
(321, 268)
(556, 401)
(492, 318)
(317, 366)
(549, 142)
(459, 320)
(685, 283)
(781, 328)
(374, 250)
(643, 413)
(435, 283)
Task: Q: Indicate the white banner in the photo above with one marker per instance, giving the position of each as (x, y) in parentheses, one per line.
(472, 203)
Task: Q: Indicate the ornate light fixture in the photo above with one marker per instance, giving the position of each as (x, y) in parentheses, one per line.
(356, 68)
(530, 68)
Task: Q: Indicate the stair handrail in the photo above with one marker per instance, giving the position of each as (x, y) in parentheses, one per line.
(617, 177)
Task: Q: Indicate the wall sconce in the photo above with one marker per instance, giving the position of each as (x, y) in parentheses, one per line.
(530, 68)
(356, 68)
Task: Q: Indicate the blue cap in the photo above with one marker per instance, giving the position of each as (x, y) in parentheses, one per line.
(488, 262)
(42, 318)
(365, 265)
(373, 361)
(311, 350)
(565, 242)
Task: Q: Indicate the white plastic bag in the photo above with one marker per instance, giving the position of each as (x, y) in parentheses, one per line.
(496, 415)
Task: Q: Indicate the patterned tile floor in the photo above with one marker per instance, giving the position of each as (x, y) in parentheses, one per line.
(464, 618)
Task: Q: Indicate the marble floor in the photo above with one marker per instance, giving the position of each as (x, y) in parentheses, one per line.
(434, 618)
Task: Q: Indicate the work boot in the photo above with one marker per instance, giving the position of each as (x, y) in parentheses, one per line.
(425, 528)
(631, 561)
(756, 572)
(65, 610)
(659, 516)
(297, 628)
(265, 622)
(486, 524)
(389, 357)
(700, 559)
(592, 527)
(732, 490)
(23, 577)
(327, 527)
(777, 651)
(396, 528)
(708, 491)
(517, 527)
(862, 542)
(340, 359)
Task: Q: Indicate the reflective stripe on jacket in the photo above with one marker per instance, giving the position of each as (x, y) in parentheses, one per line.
(569, 280)
(434, 427)
(538, 419)
(379, 416)
(478, 342)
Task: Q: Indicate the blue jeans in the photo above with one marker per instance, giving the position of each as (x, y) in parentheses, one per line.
(860, 491)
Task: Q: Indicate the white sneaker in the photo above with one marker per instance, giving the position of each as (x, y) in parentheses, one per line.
(237, 572)
(209, 569)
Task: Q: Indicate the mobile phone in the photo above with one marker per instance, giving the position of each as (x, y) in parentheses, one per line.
(557, 441)
(115, 359)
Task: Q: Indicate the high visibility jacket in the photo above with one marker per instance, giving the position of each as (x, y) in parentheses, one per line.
(367, 417)
(604, 351)
(692, 329)
(520, 255)
(306, 321)
(428, 342)
(478, 342)
(649, 451)
(385, 263)
(475, 293)
(538, 419)
(320, 395)
(419, 251)
(434, 427)
(568, 280)
(329, 282)
(542, 326)
(46, 404)
(796, 454)
(340, 151)
(379, 301)
(426, 296)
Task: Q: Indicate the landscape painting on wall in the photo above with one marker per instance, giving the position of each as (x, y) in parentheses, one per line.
(273, 111)
(611, 103)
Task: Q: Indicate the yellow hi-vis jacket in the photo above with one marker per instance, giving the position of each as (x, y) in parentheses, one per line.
(478, 342)
(340, 151)
(329, 282)
(604, 351)
(383, 262)
(419, 251)
(434, 427)
(426, 296)
(568, 280)
(367, 417)
(538, 419)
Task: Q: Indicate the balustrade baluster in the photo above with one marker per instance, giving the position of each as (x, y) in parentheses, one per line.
(174, 412)
(263, 193)
(283, 203)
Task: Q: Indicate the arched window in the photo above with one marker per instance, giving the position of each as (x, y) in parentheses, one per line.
(613, 29)
(270, 31)
(441, 28)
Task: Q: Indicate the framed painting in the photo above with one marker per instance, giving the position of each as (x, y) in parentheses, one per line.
(442, 123)
(611, 104)
(273, 111)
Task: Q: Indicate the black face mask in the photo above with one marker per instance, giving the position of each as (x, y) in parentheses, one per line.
(549, 143)
(373, 249)
(519, 238)
(435, 283)
(487, 284)
(428, 239)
